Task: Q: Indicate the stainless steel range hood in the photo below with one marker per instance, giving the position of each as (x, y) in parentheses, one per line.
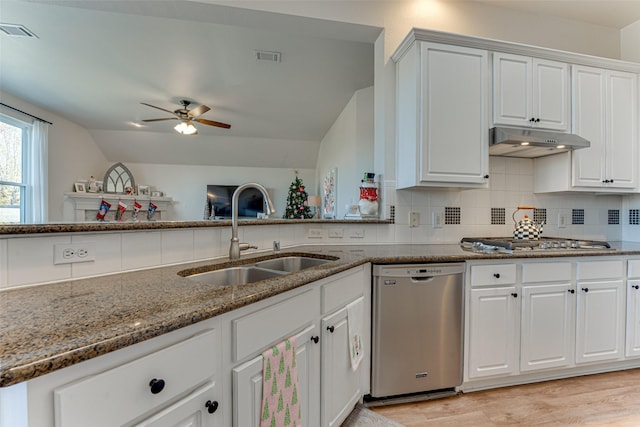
(526, 142)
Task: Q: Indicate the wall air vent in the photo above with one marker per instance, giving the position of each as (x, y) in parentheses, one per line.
(263, 55)
(16, 30)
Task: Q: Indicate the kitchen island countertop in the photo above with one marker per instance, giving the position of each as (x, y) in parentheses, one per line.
(48, 327)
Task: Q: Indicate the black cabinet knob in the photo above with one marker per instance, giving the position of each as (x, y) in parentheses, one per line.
(156, 385)
(515, 295)
(532, 120)
(331, 328)
(211, 406)
(496, 275)
(585, 289)
(538, 120)
(635, 286)
(611, 181)
(571, 291)
(315, 339)
(486, 177)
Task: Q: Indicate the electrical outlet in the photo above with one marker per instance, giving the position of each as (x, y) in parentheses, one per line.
(316, 233)
(72, 253)
(438, 218)
(336, 233)
(562, 220)
(357, 233)
(414, 219)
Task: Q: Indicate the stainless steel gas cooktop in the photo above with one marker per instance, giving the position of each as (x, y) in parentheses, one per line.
(510, 245)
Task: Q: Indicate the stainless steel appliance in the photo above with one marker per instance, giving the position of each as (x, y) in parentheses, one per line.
(530, 143)
(417, 330)
(510, 245)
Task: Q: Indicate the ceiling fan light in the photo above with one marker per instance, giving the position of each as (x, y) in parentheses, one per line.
(186, 128)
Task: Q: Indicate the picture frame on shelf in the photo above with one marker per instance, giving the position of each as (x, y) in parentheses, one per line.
(80, 187)
(144, 190)
(329, 185)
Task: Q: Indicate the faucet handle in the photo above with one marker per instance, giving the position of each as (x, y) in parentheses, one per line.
(245, 246)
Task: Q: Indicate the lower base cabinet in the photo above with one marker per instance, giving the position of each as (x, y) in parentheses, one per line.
(328, 387)
(247, 383)
(600, 328)
(195, 410)
(341, 385)
(553, 315)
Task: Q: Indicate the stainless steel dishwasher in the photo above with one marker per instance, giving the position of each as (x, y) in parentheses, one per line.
(417, 330)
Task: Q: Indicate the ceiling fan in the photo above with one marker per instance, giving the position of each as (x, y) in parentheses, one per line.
(187, 117)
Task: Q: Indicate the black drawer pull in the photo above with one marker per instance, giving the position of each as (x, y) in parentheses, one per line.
(585, 289)
(571, 291)
(496, 275)
(315, 339)
(156, 385)
(331, 328)
(515, 295)
(211, 406)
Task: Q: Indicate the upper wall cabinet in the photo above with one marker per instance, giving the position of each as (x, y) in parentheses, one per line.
(441, 116)
(605, 113)
(530, 92)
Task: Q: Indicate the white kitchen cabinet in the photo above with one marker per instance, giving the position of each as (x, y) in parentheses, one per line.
(328, 388)
(493, 320)
(247, 383)
(605, 113)
(547, 325)
(547, 316)
(633, 318)
(143, 386)
(441, 116)
(196, 410)
(341, 386)
(530, 92)
(600, 311)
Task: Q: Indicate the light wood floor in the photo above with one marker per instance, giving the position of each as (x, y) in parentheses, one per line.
(611, 399)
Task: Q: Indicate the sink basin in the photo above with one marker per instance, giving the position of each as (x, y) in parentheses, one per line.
(235, 276)
(291, 264)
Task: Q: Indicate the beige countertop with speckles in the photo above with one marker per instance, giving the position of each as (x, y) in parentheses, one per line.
(48, 327)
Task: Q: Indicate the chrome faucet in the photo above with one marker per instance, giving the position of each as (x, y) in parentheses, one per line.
(236, 246)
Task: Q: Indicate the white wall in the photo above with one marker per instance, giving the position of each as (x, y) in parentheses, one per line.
(348, 146)
(187, 184)
(630, 42)
(73, 154)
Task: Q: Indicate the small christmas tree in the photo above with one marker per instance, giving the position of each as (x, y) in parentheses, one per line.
(297, 201)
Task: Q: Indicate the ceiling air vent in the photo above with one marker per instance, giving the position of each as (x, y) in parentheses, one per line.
(263, 55)
(16, 30)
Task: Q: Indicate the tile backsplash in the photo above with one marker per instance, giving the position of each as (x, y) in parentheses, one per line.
(475, 212)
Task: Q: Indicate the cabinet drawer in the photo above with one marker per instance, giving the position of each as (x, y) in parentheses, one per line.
(255, 331)
(546, 272)
(588, 270)
(633, 268)
(495, 274)
(342, 291)
(119, 395)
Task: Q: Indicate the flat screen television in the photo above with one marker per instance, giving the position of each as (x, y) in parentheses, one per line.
(250, 202)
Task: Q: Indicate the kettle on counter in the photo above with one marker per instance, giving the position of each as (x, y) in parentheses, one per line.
(526, 229)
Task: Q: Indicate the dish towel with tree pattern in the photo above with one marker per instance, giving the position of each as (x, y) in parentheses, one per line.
(280, 399)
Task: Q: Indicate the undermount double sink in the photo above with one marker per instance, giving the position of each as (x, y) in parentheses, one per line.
(251, 273)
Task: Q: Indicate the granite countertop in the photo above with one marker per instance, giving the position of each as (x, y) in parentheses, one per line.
(48, 327)
(93, 226)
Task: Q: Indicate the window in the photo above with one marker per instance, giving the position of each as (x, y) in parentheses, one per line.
(23, 170)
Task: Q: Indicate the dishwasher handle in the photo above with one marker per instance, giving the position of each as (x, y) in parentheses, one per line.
(423, 279)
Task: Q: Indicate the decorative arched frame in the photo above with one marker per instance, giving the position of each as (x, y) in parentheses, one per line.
(117, 179)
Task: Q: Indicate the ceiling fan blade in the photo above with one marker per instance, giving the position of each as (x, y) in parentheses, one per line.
(199, 110)
(212, 123)
(153, 106)
(159, 120)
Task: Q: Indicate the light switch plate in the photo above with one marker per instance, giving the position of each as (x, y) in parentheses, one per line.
(414, 219)
(438, 218)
